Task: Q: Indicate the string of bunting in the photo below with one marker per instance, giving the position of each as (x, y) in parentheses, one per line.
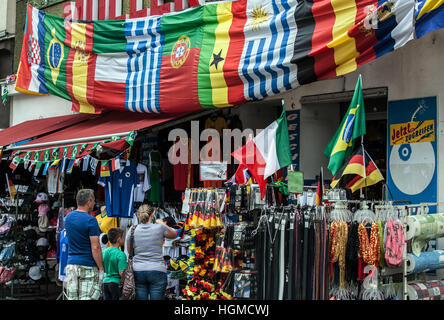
(67, 157)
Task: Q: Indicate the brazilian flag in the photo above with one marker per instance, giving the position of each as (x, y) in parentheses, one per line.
(352, 127)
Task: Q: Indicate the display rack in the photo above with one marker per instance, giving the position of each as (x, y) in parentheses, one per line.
(407, 210)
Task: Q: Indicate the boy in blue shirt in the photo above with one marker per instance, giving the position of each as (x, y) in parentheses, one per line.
(114, 263)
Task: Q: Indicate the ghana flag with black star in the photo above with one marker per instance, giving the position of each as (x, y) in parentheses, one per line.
(219, 54)
(352, 174)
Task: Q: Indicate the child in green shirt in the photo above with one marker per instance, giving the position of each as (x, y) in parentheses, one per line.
(114, 263)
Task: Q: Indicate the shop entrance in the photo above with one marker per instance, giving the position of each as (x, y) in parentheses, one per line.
(321, 116)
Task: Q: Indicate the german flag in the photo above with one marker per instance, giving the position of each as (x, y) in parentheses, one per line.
(320, 189)
(353, 175)
(11, 188)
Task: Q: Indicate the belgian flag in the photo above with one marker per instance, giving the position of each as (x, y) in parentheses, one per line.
(353, 175)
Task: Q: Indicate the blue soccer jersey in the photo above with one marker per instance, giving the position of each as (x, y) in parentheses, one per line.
(63, 255)
(119, 190)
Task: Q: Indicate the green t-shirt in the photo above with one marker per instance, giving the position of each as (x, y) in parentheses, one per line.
(114, 261)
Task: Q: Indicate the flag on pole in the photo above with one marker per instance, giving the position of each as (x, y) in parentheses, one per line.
(267, 152)
(320, 188)
(351, 127)
(4, 93)
(353, 175)
(11, 188)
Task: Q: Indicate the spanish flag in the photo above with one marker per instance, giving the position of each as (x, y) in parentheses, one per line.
(354, 176)
(352, 127)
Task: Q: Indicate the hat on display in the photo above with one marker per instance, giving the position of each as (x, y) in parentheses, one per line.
(42, 242)
(43, 209)
(41, 197)
(34, 273)
(56, 204)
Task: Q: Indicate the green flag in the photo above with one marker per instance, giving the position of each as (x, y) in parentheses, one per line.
(352, 127)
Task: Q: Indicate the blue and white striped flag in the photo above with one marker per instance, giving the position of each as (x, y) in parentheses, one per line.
(144, 48)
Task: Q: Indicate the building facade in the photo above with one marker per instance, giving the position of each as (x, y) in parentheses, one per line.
(406, 79)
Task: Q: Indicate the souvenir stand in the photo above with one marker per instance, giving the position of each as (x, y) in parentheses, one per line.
(339, 250)
(51, 178)
(27, 256)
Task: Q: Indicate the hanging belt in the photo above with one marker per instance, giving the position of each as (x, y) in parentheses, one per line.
(291, 264)
(282, 260)
(305, 259)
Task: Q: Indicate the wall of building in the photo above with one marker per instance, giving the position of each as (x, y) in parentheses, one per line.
(7, 17)
(28, 107)
(318, 125)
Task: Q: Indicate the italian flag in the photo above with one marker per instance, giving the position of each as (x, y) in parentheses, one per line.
(268, 152)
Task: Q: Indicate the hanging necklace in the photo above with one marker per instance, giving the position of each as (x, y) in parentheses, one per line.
(339, 235)
(369, 248)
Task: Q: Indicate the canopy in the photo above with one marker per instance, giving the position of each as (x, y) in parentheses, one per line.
(113, 130)
(35, 128)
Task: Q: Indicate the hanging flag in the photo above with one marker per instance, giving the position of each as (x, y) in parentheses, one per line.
(93, 164)
(320, 189)
(240, 177)
(219, 54)
(14, 163)
(267, 152)
(63, 165)
(4, 93)
(353, 175)
(429, 16)
(85, 164)
(55, 154)
(351, 127)
(11, 188)
(130, 138)
(74, 151)
(46, 155)
(70, 166)
(54, 164)
(45, 168)
(82, 148)
(104, 169)
(36, 157)
(115, 163)
(38, 165)
(77, 162)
